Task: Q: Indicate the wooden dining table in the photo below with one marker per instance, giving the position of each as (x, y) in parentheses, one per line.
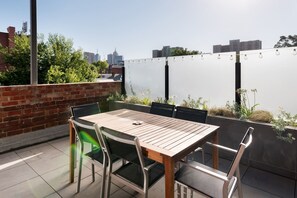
(163, 139)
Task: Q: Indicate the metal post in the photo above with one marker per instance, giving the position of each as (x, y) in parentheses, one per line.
(123, 81)
(237, 79)
(166, 81)
(33, 38)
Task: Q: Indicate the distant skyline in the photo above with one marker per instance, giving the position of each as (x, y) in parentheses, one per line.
(135, 28)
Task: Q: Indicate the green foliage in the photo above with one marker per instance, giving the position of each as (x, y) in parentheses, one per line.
(196, 104)
(245, 109)
(136, 100)
(287, 41)
(101, 66)
(184, 52)
(58, 62)
(116, 97)
(279, 126)
(18, 58)
(171, 100)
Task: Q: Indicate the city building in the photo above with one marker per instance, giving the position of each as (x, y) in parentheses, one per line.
(115, 58)
(165, 51)
(236, 46)
(97, 57)
(90, 57)
(6, 40)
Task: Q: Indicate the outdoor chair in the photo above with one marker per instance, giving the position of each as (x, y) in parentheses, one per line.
(84, 110)
(195, 115)
(162, 109)
(214, 183)
(139, 173)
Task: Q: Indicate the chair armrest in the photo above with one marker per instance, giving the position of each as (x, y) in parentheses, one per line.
(222, 147)
(206, 171)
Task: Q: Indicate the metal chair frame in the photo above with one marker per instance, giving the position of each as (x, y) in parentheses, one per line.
(103, 132)
(234, 169)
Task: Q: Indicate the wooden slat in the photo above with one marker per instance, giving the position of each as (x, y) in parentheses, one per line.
(166, 135)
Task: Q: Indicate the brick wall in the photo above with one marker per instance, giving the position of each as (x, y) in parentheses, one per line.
(29, 108)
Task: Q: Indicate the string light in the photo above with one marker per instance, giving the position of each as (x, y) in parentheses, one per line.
(260, 55)
(277, 52)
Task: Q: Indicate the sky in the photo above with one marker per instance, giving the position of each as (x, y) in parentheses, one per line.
(136, 27)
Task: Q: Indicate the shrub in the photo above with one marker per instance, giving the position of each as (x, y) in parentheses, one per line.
(221, 111)
(116, 97)
(196, 104)
(261, 116)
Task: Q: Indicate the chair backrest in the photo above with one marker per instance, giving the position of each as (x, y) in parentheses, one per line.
(162, 109)
(191, 114)
(121, 145)
(85, 110)
(86, 133)
(245, 142)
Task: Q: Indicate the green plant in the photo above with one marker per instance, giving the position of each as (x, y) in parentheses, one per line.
(279, 126)
(197, 104)
(116, 96)
(171, 100)
(245, 109)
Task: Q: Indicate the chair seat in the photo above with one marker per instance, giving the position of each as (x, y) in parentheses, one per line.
(134, 174)
(210, 185)
(98, 156)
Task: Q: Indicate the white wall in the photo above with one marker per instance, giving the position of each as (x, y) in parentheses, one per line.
(146, 77)
(210, 76)
(274, 74)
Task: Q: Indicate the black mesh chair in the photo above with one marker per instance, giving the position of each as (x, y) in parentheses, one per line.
(84, 110)
(195, 115)
(162, 109)
(139, 173)
(211, 182)
(77, 112)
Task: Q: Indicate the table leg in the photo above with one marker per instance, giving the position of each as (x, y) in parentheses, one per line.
(72, 155)
(169, 177)
(215, 151)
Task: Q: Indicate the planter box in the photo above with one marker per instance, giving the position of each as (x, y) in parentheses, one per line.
(266, 151)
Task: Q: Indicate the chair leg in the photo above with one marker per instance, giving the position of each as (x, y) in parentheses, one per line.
(93, 172)
(239, 187)
(103, 180)
(203, 156)
(108, 178)
(80, 168)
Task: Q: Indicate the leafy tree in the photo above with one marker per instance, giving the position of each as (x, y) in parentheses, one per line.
(58, 62)
(101, 66)
(18, 59)
(289, 41)
(183, 52)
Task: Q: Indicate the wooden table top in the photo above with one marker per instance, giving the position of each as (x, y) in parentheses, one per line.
(165, 135)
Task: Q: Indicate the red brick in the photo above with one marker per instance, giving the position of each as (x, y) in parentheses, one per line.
(16, 132)
(12, 103)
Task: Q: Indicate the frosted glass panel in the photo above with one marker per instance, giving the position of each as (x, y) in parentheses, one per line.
(273, 73)
(145, 77)
(210, 76)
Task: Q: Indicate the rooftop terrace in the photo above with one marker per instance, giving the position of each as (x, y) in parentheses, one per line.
(43, 171)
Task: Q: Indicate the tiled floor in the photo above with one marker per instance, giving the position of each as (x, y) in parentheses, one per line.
(43, 171)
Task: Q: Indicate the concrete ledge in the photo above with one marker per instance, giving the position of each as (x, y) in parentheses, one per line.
(27, 139)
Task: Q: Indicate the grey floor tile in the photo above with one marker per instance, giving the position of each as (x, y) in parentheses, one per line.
(268, 182)
(120, 194)
(15, 176)
(61, 144)
(10, 160)
(249, 191)
(42, 151)
(35, 187)
(45, 165)
(87, 188)
(59, 178)
(296, 190)
(54, 195)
